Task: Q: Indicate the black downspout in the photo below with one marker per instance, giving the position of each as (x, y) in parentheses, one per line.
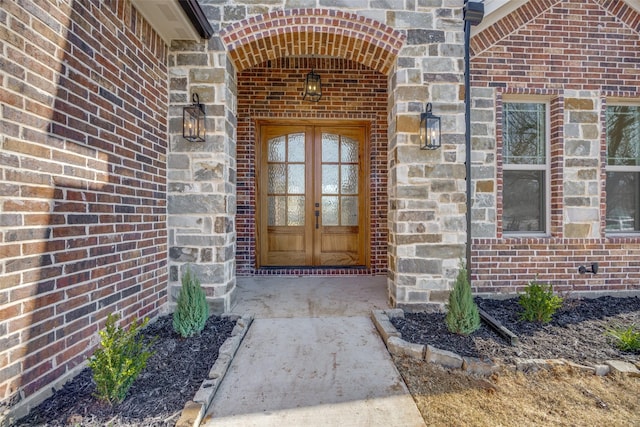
(467, 139)
(473, 14)
(197, 17)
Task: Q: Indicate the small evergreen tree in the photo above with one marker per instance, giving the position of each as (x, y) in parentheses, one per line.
(192, 310)
(463, 317)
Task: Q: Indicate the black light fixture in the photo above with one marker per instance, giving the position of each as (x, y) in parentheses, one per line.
(312, 87)
(473, 11)
(593, 270)
(193, 121)
(429, 130)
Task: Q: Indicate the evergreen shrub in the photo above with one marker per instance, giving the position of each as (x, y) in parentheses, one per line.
(463, 317)
(539, 303)
(192, 310)
(122, 355)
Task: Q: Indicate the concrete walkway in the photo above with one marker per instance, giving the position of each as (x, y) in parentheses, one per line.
(312, 357)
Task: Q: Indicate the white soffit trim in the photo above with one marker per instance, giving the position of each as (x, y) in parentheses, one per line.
(634, 4)
(494, 10)
(168, 18)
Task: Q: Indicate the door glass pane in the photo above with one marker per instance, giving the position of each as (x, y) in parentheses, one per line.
(349, 210)
(523, 201)
(295, 182)
(295, 210)
(277, 207)
(349, 179)
(330, 210)
(276, 149)
(329, 148)
(277, 178)
(349, 150)
(330, 179)
(296, 147)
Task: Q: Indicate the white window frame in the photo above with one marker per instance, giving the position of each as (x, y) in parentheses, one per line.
(546, 167)
(621, 168)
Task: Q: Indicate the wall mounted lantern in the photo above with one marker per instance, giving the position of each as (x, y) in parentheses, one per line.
(429, 130)
(193, 121)
(312, 87)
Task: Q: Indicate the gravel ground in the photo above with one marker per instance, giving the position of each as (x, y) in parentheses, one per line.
(576, 332)
(172, 377)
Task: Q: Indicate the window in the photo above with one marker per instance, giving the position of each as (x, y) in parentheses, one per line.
(525, 167)
(623, 168)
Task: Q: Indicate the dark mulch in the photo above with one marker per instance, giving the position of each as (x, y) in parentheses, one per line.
(172, 377)
(576, 332)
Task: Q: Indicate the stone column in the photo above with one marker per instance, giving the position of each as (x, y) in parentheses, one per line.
(483, 162)
(202, 175)
(581, 181)
(427, 199)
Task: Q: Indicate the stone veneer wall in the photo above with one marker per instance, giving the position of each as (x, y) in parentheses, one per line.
(83, 130)
(201, 199)
(350, 91)
(579, 55)
(418, 46)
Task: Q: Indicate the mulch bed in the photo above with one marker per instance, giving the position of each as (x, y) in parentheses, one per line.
(576, 332)
(171, 378)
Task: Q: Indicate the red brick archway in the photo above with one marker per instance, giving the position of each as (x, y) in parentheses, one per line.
(312, 32)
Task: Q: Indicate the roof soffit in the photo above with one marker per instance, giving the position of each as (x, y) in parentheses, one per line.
(169, 19)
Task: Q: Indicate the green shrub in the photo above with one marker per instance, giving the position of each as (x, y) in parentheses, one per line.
(539, 303)
(192, 310)
(462, 317)
(118, 361)
(627, 339)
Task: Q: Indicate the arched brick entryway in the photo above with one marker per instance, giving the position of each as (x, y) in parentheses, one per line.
(272, 54)
(312, 32)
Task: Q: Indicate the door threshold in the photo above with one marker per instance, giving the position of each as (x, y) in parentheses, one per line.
(312, 271)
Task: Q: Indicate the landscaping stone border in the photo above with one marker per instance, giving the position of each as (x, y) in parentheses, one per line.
(195, 409)
(448, 359)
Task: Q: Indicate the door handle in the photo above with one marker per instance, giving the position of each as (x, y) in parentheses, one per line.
(317, 214)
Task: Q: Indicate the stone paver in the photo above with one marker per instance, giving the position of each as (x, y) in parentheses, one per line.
(625, 368)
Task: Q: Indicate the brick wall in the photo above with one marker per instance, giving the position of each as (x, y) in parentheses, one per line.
(84, 98)
(273, 90)
(577, 55)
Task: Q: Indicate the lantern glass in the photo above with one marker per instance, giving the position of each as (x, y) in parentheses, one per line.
(193, 121)
(312, 87)
(429, 130)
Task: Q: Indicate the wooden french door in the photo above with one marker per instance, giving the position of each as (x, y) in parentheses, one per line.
(312, 200)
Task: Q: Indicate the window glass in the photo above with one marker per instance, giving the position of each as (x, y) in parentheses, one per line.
(523, 201)
(525, 163)
(524, 134)
(623, 168)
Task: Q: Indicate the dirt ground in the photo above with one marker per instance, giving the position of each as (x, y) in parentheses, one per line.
(557, 397)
